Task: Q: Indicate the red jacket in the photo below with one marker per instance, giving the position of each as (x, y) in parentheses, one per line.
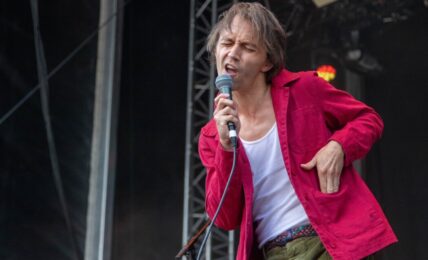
(309, 112)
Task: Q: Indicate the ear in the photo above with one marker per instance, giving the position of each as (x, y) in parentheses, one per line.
(268, 65)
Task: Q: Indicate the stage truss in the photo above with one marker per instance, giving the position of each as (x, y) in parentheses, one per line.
(200, 95)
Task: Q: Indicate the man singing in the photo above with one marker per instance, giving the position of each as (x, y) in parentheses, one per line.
(294, 194)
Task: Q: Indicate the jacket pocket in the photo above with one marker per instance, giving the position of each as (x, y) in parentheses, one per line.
(329, 204)
(345, 213)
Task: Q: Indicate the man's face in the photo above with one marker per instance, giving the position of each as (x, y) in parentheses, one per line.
(240, 54)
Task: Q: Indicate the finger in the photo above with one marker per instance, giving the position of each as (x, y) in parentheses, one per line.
(222, 103)
(330, 184)
(219, 112)
(216, 99)
(336, 183)
(220, 120)
(220, 97)
(309, 165)
(228, 111)
(230, 118)
(224, 95)
(224, 119)
(323, 182)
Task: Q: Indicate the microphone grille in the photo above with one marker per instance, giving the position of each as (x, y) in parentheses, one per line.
(223, 80)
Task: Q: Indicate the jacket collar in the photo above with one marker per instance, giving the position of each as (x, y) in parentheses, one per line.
(284, 78)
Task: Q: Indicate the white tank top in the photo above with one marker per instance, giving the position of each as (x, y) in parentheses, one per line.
(276, 207)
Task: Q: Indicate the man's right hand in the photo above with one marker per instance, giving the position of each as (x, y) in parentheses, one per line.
(225, 111)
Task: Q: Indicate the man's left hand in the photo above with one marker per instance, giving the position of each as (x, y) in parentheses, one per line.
(329, 163)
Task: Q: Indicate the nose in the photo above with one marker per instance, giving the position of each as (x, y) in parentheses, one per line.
(234, 52)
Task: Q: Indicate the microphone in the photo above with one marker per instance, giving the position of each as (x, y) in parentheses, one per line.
(224, 84)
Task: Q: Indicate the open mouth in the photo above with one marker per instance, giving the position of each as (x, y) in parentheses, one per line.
(231, 70)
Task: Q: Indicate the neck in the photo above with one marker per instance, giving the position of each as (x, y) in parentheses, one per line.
(252, 100)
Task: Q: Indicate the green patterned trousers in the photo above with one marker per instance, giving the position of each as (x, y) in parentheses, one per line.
(304, 248)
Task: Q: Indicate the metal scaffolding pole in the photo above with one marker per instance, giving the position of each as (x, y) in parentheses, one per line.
(103, 154)
(200, 95)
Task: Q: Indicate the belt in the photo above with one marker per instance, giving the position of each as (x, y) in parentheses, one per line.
(288, 235)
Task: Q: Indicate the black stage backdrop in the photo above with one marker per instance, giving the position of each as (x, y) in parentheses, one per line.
(398, 165)
(150, 170)
(32, 224)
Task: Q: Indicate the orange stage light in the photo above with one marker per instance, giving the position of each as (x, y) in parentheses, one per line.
(327, 72)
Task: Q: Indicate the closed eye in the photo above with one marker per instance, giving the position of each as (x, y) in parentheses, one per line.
(248, 48)
(226, 43)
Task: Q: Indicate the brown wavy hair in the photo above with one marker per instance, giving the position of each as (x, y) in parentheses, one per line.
(268, 29)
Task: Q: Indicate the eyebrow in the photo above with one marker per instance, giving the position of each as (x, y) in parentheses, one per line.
(245, 42)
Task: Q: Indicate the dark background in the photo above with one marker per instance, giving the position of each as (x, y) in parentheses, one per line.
(150, 165)
(32, 224)
(150, 173)
(398, 165)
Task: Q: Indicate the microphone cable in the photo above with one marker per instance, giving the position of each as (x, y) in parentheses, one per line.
(208, 232)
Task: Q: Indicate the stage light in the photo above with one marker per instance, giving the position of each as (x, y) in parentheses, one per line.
(322, 3)
(328, 65)
(326, 72)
